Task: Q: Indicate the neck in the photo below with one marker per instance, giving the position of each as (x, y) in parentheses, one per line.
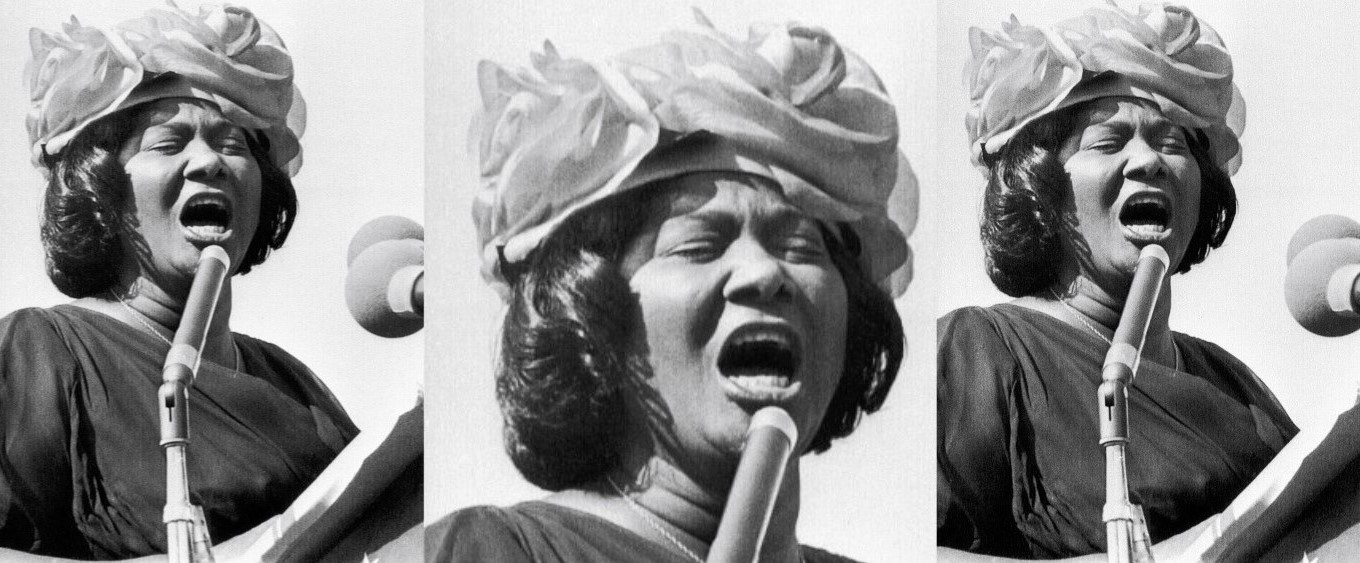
(1101, 310)
(152, 309)
(688, 510)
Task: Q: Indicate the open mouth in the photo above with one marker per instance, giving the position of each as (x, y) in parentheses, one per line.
(1146, 215)
(207, 216)
(760, 358)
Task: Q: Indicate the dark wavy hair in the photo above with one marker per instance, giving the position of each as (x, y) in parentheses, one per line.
(86, 214)
(1024, 218)
(564, 359)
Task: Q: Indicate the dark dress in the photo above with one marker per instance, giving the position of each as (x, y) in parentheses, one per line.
(1020, 468)
(82, 473)
(542, 532)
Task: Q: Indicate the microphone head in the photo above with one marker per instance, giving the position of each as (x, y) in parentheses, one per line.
(1156, 252)
(777, 419)
(1322, 227)
(387, 227)
(1312, 274)
(214, 252)
(367, 285)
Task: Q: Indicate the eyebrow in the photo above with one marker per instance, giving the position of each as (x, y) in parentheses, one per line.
(214, 125)
(781, 216)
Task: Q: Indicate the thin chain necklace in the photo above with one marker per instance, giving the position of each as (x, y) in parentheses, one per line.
(647, 517)
(1176, 348)
(1080, 317)
(137, 316)
(140, 318)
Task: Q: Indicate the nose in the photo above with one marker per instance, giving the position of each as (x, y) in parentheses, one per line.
(1144, 162)
(756, 277)
(204, 163)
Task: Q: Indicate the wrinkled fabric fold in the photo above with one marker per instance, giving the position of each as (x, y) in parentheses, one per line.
(1021, 471)
(81, 470)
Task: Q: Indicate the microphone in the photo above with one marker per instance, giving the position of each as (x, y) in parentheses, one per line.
(1320, 287)
(750, 502)
(181, 363)
(387, 227)
(1125, 528)
(1322, 227)
(1127, 344)
(385, 288)
(186, 530)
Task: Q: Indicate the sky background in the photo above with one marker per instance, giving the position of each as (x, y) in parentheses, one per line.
(868, 496)
(360, 74)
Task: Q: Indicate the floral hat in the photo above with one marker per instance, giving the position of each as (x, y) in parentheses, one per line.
(222, 54)
(1163, 54)
(787, 103)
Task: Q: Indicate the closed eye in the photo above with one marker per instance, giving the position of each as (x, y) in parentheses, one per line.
(1174, 143)
(701, 249)
(164, 144)
(803, 248)
(235, 146)
(1106, 145)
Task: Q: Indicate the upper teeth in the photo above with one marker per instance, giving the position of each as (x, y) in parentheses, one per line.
(209, 199)
(761, 336)
(1145, 198)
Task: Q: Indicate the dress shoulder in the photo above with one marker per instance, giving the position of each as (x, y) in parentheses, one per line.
(479, 533)
(31, 332)
(36, 364)
(972, 350)
(541, 532)
(295, 378)
(1237, 379)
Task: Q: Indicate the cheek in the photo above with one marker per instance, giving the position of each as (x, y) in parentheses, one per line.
(1093, 190)
(251, 180)
(150, 187)
(673, 309)
(830, 297)
(1191, 192)
(829, 304)
(249, 177)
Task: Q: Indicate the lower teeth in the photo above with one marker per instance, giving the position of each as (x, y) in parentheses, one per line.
(761, 380)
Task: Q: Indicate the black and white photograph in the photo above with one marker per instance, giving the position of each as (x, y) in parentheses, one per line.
(154, 150)
(1074, 136)
(649, 209)
(708, 281)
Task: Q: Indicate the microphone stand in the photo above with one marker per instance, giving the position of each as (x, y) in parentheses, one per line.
(186, 531)
(1126, 534)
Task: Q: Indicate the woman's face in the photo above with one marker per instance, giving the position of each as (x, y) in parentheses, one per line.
(1134, 183)
(741, 308)
(194, 184)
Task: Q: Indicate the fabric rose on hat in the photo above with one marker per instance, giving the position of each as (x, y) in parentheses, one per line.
(1162, 53)
(787, 103)
(551, 140)
(1015, 75)
(76, 76)
(221, 54)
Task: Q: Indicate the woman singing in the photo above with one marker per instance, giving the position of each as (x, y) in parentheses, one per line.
(1099, 135)
(685, 233)
(158, 137)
